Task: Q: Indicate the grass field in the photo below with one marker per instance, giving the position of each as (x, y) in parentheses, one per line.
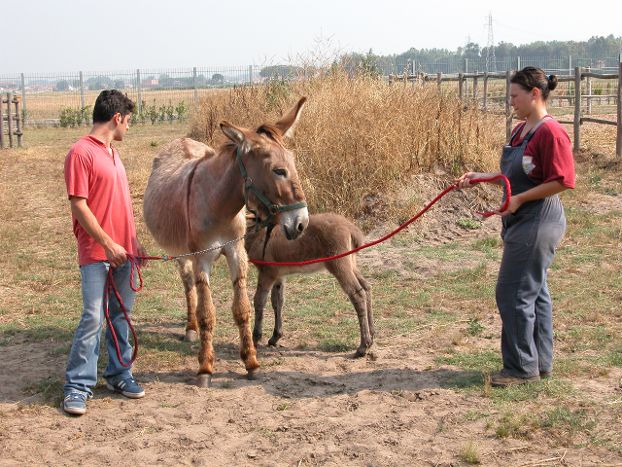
(436, 321)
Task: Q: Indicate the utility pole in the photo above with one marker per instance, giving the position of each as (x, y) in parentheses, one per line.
(491, 61)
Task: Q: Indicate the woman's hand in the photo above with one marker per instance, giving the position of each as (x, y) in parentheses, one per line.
(465, 180)
(515, 203)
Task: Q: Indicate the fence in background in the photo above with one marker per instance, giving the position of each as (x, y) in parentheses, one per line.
(11, 118)
(46, 95)
(579, 94)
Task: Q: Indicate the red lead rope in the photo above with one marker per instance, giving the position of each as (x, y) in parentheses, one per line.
(111, 288)
(508, 194)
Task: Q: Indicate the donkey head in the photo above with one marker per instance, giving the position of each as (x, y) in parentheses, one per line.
(272, 186)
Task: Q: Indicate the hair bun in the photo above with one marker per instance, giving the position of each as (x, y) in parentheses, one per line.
(552, 82)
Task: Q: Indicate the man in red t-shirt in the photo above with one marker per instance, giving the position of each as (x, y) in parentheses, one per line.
(103, 223)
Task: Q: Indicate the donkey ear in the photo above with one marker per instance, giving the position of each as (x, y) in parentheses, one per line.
(232, 132)
(288, 121)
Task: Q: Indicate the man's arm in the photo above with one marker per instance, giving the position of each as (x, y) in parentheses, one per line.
(115, 253)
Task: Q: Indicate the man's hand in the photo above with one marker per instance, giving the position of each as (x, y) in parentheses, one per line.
(115, 254)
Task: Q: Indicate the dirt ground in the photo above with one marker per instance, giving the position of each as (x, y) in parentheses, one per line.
(398, 406)
(306, 408)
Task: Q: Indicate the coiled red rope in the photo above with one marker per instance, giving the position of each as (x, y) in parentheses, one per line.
(111, 289)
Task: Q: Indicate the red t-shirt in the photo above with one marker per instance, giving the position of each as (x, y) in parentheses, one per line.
(92, 173)
(548, 155)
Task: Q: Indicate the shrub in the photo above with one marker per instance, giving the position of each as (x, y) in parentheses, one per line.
(360, 136)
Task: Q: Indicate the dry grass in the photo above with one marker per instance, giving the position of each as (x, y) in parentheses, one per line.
(360, 137)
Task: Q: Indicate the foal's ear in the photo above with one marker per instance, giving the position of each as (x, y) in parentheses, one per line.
(288, 121)
(232, 132)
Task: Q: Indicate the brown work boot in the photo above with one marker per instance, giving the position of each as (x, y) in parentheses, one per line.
(545, 374)
(504, 379)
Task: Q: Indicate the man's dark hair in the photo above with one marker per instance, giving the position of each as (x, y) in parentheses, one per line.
(531, 77)
(108, 103)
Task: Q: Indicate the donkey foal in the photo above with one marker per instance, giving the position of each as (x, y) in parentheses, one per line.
(326, 235)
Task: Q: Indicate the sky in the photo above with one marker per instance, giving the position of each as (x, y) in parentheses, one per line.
(72, 35)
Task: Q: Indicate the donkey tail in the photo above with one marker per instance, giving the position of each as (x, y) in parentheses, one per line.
(357, 236)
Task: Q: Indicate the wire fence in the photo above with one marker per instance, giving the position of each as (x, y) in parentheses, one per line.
(46, 97)
(66, 99)
(451, 65)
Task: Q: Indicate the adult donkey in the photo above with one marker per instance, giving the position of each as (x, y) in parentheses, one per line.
(194, 202)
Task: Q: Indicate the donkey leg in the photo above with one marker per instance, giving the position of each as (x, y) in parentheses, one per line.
(370, 315)
(277, 305)
(187, 276)
(206, 314)
(344, 273)
(264, 284)
(241, 308)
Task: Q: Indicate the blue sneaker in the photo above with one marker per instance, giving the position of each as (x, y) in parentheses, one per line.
(128, 387)
(75, 403)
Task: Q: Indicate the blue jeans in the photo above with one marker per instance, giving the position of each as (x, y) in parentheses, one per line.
(81, 374)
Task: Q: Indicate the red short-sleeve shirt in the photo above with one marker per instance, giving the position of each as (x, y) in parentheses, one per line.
(91, 172)
(548, 155)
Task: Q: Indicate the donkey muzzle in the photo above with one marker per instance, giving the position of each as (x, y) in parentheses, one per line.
(294, 222)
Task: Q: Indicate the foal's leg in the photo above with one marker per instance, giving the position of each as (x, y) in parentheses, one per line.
(264, 284)
(343, 271)
(370, 315)
(241, 308)
(187, 276)
(277, 299)
(206, 314)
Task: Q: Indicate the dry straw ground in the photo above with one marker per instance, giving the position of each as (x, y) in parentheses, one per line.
(423, 398)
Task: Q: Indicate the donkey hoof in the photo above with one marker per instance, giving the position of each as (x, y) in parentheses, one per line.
(205, 380)
(251, 375)
(191, 335)
(360, 353)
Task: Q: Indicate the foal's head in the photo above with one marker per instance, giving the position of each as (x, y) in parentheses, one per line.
(272, 171)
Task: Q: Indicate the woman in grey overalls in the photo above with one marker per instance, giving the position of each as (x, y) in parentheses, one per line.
(533, 225)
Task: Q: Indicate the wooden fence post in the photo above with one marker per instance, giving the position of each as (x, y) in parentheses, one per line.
(139, 93)
(81, 78)
(475, 80)
(9, 121)
(588, 91)
(619, 133)
(485, 91)
(577, 109)
(508, 114)
(1, 124)
(194, 85)
(24, 109)
(439, 80)
(460, 85)
(18, 121)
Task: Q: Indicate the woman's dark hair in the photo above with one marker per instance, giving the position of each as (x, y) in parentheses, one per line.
(110, 102)
(531, 77)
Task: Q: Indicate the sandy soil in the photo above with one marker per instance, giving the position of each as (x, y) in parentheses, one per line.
(307, 407)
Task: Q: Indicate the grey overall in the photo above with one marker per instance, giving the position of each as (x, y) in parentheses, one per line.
(530, 237)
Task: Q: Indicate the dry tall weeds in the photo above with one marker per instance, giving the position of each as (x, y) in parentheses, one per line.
(361, 136)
